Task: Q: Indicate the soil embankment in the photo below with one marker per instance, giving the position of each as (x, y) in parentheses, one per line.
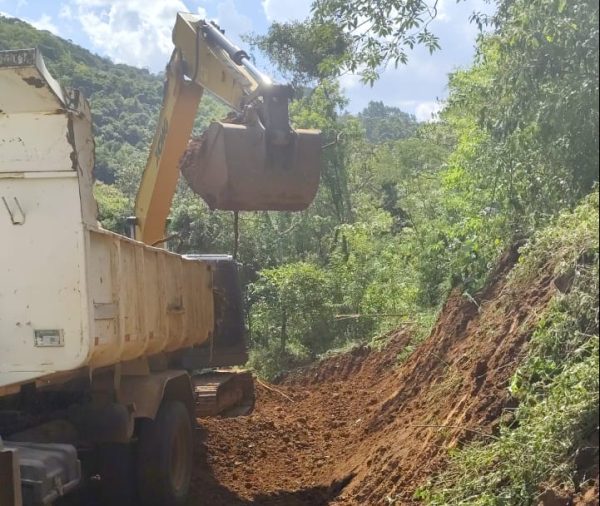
(360, 428)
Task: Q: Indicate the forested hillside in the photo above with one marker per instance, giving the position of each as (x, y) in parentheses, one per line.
(409, 212)
(405, 212)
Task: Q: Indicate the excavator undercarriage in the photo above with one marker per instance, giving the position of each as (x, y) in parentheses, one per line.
(224, 393)
(218, 390)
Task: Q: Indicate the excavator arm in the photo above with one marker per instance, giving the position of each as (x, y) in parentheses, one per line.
(159, 180)
(256, 162)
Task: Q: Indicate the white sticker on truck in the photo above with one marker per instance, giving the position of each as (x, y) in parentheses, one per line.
(49, 338)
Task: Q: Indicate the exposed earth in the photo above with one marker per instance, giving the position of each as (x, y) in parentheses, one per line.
(369, 427)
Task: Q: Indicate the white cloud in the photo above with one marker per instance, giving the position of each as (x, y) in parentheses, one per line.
(350, 81)
(44, 23)
(18, 4)
(286, 10)
(428, 111)
(15, 6)
(65, 12)
(442, 11)
(233, 21)
(137, 32)
(201, 11)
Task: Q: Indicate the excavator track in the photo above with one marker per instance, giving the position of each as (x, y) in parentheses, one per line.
(224, 393)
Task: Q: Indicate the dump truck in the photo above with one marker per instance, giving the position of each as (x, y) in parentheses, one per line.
(112, 346)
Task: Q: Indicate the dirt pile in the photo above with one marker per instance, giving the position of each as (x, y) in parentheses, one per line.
(357, 429)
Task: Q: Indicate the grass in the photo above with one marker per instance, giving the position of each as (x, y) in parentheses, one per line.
(556, 385)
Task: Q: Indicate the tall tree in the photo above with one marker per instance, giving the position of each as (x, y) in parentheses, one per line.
(385, 123)
(380, 32)
(304, 52)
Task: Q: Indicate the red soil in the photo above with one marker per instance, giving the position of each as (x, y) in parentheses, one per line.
(358, 428)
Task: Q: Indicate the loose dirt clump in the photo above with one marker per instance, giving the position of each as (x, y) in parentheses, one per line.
(362, 429)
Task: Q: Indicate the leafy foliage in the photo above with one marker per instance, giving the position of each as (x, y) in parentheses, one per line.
(534, 96)
(303, 51)
(291, 302)
(113, 206)
(504, 180)
(385, 123)
(547, 92)
(380, 31)
(556, 386)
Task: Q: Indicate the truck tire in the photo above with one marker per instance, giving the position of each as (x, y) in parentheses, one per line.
(164, 457)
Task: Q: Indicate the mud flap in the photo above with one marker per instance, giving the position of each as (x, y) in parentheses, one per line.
(10, 477)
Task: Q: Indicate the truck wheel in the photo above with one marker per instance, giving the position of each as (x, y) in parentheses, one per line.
(164, 457)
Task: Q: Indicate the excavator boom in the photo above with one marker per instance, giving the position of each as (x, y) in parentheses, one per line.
(252, 161)
(159, 179)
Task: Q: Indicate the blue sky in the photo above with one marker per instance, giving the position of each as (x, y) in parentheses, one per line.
(137, 32)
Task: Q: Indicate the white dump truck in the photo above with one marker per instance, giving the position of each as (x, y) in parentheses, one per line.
(111, 346)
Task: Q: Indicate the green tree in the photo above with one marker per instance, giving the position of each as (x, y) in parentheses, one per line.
(113, 207)
(381, 32)
(385, 123)
(303, 52)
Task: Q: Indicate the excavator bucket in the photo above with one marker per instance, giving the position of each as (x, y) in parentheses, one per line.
(235, 168)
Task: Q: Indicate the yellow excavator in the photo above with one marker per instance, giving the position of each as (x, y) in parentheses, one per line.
(254, 161)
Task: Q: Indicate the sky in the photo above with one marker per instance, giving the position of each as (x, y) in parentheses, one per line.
(138, 32)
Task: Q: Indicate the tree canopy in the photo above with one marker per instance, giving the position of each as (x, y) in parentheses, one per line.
(405, 211)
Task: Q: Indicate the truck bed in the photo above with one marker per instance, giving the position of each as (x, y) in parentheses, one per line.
(72, 295)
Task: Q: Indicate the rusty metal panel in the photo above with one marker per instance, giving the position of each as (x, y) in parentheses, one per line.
(175, 303)
(206, 314)
(26, 84)
(146, 391)
(189, 310)
(198, 307)
(10, 477)
(152, 301)
(104, 286)
(131, 305)
(34, 143)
